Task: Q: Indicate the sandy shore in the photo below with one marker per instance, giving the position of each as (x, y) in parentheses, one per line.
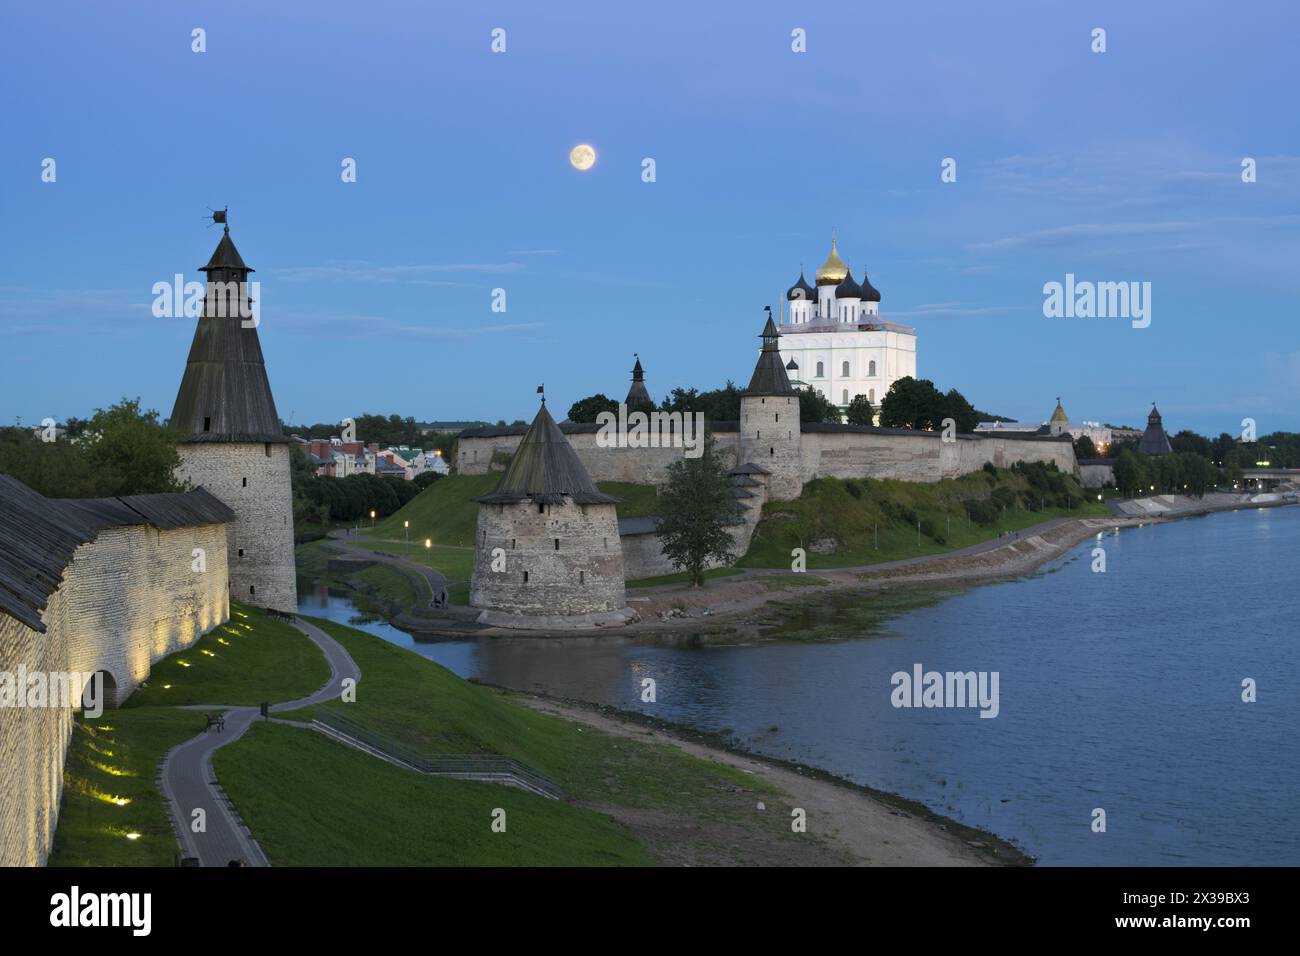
(851, 825)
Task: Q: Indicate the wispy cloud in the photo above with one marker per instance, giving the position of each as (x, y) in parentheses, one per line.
(1090, 231)
(360, 271)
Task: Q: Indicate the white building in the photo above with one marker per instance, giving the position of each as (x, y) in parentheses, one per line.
(835, 340)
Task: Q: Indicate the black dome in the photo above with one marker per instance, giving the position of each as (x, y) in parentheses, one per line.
(848, 289)
(869, 292)
(801, 291)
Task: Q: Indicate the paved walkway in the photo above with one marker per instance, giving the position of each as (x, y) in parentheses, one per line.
(436, 580)
(189, 783)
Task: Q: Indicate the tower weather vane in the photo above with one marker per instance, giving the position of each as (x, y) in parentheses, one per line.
(541, 390)
(219, 217)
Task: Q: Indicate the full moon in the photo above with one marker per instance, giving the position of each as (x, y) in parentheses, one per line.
(582, 157)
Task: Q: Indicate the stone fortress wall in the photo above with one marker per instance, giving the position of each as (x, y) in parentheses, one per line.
(127, 599)
(836, 451)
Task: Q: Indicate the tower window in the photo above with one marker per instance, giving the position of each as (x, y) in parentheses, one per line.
(252, 589)
(582, 577)
(207, 424)
(541, 509)
(772, 452)
(758, 435)
(778, 416)
(514, 543)
(267, 447)
(245, 482)
(844, 369)
(845, 393)
(557, 544)
(525, 577)
(241, 552)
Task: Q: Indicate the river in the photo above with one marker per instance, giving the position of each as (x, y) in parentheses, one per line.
(1119, 691)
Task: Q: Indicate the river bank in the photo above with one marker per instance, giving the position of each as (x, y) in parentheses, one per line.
(868, 827)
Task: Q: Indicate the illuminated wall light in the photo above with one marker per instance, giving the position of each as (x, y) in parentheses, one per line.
(183, 663)
(167, 686)
(209, 653)
(133, 836)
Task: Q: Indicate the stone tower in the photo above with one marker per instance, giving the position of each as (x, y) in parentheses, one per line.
(547, 549)
(1060, 423)
(638, 396)
(1154, 441)
(769, 421)
(231, 440)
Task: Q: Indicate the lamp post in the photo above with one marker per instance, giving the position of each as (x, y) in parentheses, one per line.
(372, 520)
(406, 529)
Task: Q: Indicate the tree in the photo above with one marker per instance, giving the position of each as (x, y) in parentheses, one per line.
(1131, 472)
(962, 412)
(697, 508)
(860, 411)
(913, 403)
(586, 409)
(816, 407)
(1084, 448)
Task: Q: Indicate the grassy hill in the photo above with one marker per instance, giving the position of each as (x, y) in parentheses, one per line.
(843, 523)
(445, 512)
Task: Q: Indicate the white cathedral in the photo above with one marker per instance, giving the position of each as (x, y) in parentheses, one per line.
(835, 340)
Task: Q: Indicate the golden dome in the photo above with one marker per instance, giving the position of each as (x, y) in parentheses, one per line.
(833, 270)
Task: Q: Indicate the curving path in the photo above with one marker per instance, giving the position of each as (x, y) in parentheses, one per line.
(189, 783)
(436, 580)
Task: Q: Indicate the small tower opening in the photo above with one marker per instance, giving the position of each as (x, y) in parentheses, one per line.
(207, 424)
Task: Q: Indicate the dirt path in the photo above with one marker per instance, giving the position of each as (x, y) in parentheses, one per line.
(859, 827)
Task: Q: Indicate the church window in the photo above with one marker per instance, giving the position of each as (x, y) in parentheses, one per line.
(871, 395)
(871, 369)
(821, 370)
(844, 369)
(845, 400)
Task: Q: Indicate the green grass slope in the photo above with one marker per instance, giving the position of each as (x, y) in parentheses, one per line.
(846, 518)
(248, 660)
(314, 802)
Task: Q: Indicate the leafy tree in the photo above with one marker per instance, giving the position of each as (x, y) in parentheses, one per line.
(718, 405)
(960, 411)
(1131, 472)
(816, 407)
(697, 508)
(1084, 448)
(130, 452)
(586, 409)
(912, 403)
(860, 411)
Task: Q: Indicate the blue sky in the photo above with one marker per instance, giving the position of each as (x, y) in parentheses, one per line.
(376, 294)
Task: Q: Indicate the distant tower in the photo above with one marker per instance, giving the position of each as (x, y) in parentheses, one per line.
(848, 294)
(547, 542)
(870, 297)
(1154, 441)
(232, 442)
(1060, 423)
(769, 421)
(803, 301)
(638, 396)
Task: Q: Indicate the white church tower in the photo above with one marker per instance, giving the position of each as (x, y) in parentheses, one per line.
(836, 341)
(231, 440)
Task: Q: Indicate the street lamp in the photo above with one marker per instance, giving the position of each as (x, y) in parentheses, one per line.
(406, 525)
(428, 542)
(372, 519)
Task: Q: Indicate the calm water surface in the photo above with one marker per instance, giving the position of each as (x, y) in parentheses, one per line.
(1119, 690)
